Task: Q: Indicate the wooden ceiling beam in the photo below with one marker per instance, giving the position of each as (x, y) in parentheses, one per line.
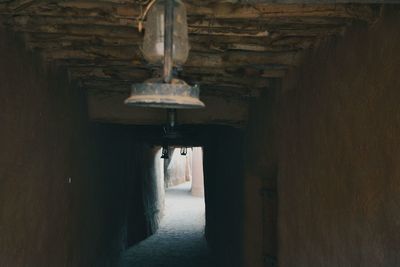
(135, 73)
(242, 82)
(119, 73)
(207, 45)
(131, 56)
(218, 10)
(256, 24)
(238, 58)
(104, 79)
(46, 40)
(237, 11)
(269, 10)
(105, 27)
(131, 35)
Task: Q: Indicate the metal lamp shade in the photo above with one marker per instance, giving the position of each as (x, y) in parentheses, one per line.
(175, 95)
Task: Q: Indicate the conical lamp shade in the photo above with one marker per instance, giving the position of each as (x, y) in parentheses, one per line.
(174, 95)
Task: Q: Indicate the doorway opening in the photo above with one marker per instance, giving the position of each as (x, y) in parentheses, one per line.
(180, 236)
(184, 167)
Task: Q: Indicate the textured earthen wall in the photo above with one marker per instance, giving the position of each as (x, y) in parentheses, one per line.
(145, 190)
(154, 191)
(336, 130)
(197, 171)
(260, 184)
(223, 178)
(175, 168)
(63, 180)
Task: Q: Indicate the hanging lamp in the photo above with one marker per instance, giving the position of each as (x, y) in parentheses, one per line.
(184, 151)
(166, 42)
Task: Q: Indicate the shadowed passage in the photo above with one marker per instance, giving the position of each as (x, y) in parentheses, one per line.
(180, 239)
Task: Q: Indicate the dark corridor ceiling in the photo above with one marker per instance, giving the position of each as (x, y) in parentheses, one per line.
(236, 48)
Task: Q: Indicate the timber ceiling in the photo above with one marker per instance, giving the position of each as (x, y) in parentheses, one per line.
(235, 48)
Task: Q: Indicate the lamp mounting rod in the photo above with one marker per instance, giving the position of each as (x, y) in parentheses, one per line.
(171, 116)
(168, 39)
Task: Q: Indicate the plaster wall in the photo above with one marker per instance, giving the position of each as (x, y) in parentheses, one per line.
(331, 135)
(223, 179)
(63, 180)
(176, 168)
(198, 172)
(154, 192)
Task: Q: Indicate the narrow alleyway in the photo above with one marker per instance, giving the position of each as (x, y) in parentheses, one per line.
(180, 238)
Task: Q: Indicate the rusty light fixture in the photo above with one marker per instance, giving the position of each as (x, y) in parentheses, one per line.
(165, 42)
